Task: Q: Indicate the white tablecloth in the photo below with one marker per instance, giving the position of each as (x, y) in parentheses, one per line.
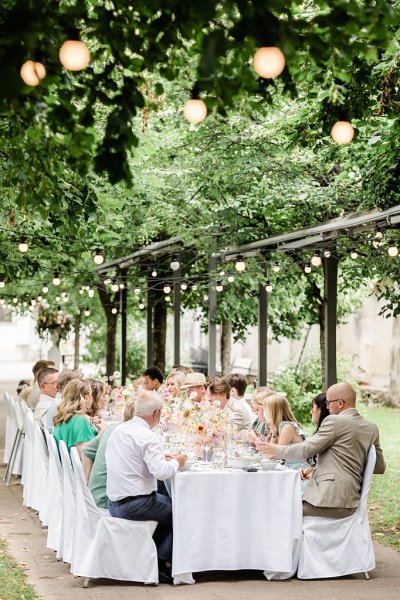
(230, 520)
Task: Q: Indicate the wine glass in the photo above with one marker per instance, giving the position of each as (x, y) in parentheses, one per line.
(207, 447)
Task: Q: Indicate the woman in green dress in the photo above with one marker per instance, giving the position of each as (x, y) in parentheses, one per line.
(71, 421)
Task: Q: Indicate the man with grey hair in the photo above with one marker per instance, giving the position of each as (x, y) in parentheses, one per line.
(135, 460)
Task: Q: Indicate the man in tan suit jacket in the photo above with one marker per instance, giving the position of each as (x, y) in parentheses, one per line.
(341, 445)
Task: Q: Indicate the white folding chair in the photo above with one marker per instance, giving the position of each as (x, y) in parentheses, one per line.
(31, 492)
(55, 493)
(337, 547)
(42, 474)
(11, 428)
(15, 466)
(108, 547)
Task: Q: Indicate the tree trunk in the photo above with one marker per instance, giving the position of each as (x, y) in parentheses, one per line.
(108, 300)
(159, 329)
(77, 332)
(226, 346)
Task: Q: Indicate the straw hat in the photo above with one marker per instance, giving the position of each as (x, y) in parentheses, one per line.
(193, 379)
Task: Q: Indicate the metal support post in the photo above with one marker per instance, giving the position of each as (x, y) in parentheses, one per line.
(330, 308)
(262, 334)
(123, 307)
(177, 316)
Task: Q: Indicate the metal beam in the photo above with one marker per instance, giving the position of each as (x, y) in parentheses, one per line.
(330, 308)
(177, 316)
(155, 249)
(359, 221)
(123, 310)
(212, 326)
(262, 334)
(149, 323)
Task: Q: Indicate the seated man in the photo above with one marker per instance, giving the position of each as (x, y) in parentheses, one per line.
(152, 379)
(34, 394)
(194, 386)
(219, 390)
(47, 382)
(134, 461)
(341, 445)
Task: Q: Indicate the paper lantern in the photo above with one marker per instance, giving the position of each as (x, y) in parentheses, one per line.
(32, 72)
(74, 55)
(342, 132)
(269, 62)
(195, 111)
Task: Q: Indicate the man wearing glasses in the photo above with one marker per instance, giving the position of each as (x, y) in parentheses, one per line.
(47, 382)
(341, 445)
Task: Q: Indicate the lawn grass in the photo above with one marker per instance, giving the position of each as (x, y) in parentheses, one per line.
(384, 497)
(12, 578)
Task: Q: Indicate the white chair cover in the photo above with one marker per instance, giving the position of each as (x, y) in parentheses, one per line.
(42, 474)
(55, 493)
(109, 547)
(19, 415)
(69, 516)
(31, 493)
(337, 547)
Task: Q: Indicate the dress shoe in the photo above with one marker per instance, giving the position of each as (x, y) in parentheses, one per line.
(164, 576)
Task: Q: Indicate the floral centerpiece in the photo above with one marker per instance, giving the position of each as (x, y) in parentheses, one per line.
(56, 323)
(204, 422)
(117, 396)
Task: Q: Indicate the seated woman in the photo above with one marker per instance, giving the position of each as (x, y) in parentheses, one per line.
(260, 429)
(284, 427)
(98, 402)
(174, 382)
(71, 423)
(319, 411)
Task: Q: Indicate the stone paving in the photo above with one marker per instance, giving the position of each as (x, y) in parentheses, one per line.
(52, 580)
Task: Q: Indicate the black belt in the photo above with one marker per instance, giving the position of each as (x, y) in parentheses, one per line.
(130, 498)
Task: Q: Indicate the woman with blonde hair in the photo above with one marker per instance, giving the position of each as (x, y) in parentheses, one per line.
(285, 429)
(71, 422)
(174, 382)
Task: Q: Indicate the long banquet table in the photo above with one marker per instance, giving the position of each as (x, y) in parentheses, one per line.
(231, 520)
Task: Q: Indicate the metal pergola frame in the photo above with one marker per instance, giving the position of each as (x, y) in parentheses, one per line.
(317, 236)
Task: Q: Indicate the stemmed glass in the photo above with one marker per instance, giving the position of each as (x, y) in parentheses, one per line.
(207, 447)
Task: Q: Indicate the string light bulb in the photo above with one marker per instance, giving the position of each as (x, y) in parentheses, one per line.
(98, 256)
(167, 298)
(137, 290)
(316, 260)
(91, 292)
(219, 287)
(393, 249)
(114, 286)
(114, 310)
(87, 312)
(327, 253)
(166, 288)
(32, 72)
(175, 264)
(56, 279)
(240, 265)
(268, 287)
(353, 254)
(45, 289)
(15, 300)
(154, 273)
(183, 286)
(141, 306)
(269, 62)
(74, 55)
(121, 286)
(231, 278)
(23, 246)
(342, 132)
(307, 268)
(195, 110)
(276, 267)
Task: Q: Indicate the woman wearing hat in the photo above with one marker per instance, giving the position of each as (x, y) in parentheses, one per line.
(194, 385)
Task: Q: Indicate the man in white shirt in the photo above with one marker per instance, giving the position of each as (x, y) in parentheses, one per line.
(238, 383)
(219, 391)
(47, 382)
(135, 460)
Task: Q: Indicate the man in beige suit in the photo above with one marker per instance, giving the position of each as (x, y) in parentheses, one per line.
(341, 445)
